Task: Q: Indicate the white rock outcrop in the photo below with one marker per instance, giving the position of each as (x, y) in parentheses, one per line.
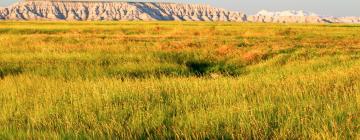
(301, 16)
(286, 17)
(102, 10)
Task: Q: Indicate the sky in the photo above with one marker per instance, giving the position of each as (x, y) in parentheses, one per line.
(321, 7)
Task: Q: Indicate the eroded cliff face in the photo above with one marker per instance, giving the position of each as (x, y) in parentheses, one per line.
(100, 10)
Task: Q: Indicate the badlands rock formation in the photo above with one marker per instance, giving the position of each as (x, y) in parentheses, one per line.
(111, 10)
(286, 17)
(101, 10)
(298, 17)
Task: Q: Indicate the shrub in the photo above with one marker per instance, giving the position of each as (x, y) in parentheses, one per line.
(199, 67)
(204, 67)
(9, 70)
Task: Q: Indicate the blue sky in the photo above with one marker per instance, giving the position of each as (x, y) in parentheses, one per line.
(321, 7)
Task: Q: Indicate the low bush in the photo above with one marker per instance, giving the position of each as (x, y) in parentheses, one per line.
(9, 70)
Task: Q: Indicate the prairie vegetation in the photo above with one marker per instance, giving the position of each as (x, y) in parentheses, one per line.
(179, 80)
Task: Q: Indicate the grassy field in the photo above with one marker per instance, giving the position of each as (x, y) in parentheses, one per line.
(179, 80)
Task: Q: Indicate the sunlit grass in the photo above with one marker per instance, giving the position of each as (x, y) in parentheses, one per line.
(179, 80)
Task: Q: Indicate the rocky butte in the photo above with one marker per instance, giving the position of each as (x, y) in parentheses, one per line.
(127, 11)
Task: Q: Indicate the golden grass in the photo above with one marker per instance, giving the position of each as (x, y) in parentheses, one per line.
(179, 80)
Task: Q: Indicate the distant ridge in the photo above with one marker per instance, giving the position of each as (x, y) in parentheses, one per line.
(292, 16)
(285, 13)
(92, 10)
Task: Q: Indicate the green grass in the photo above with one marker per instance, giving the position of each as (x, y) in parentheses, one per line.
(179, 80)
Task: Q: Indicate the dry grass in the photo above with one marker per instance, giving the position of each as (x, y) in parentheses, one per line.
(178, 80)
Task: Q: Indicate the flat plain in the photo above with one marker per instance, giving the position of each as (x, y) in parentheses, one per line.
(179, 80)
